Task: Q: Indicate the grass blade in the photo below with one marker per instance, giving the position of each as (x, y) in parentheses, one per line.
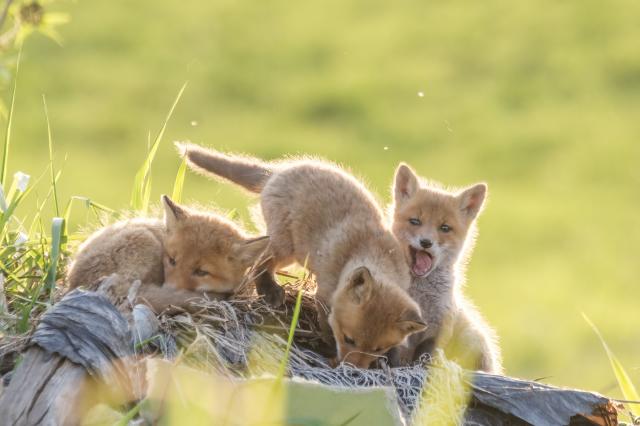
(53, 172)
(176, 195)
(7, 134)
(141, 184)
(57, 229)
(624, 381)
(292, 330)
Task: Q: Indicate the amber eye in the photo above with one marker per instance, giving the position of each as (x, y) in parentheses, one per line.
(445, 228)
(349, 341)
(172, 261)
(415, 221)
(200, 273)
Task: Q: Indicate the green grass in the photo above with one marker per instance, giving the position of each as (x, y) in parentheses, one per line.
(625, 384)
(539, 99)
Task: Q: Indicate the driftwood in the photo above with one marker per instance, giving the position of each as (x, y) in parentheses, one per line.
(499, 400)
(83, 352)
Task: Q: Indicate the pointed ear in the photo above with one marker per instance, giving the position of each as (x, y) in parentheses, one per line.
(173, 213)
(360, 285)
(405, 183)
(248, 251)
(411, 322)
(472, 199)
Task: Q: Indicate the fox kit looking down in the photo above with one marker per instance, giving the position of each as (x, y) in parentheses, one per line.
(322, 217)
(189, 251)
(436, 229)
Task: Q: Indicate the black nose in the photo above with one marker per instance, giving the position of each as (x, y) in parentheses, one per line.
(426, 243)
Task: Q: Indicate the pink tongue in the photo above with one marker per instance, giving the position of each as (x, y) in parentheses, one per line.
(423, 263)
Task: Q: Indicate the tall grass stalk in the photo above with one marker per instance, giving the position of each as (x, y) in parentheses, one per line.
(176, 195)
(624, 381)
(142, 183)
(7, 134)
(292, 330)
(57, 230)
(51, 167)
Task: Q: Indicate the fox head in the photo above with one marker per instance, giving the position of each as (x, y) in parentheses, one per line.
(432, 224)
(369, 318)
(206, 252)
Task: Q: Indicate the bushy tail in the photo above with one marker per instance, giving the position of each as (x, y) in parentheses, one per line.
(249, 173)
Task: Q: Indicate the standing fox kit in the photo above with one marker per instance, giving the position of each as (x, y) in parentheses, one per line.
(436, 230)
(322, 217)
(189, 251)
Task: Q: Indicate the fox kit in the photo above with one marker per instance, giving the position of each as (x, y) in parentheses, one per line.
(436, 230)
(189, 251)
(322, 217)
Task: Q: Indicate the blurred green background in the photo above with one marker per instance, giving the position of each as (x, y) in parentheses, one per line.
(541, 99)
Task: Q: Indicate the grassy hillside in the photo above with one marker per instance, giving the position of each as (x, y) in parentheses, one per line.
(539, 99)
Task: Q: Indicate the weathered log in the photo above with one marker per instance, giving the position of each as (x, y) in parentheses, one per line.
(500, 400)
(81, 351)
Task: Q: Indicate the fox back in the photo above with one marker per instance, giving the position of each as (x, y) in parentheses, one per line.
(322, 217)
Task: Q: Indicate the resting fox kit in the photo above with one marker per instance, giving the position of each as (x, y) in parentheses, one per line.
(436, 229)
(322, 217)
(188, 251)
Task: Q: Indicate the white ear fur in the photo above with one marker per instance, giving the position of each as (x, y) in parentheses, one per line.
(360, 285)
(411, 322)
(173, 213)
(472, 199)
(250, 250)
(406, 183)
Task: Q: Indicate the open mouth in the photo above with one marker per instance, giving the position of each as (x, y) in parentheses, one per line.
(421, 262)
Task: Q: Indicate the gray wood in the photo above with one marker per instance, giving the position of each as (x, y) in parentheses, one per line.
(81, 349)
(536, 403)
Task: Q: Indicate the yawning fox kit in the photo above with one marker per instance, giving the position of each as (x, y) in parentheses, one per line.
(436, 230)
(383, 289)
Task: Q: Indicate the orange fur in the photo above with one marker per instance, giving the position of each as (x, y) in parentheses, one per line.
(189, 251)
(440, 224)
(318, 215)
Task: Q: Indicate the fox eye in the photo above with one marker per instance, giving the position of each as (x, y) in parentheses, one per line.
(415, 221)
(348, 340)
(200, 273)
(172, 261)
(445, 228)
(378, 349)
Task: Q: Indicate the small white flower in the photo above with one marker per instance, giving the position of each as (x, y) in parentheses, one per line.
(22, 181)
(21, 239)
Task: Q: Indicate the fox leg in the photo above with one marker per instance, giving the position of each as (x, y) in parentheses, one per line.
(326, 333)
(266, 284)
(425, 347)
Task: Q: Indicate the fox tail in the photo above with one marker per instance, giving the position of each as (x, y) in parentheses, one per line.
(250, 173)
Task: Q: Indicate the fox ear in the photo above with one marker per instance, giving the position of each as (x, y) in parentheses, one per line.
(250, 250)
(173, 213)
(472, 199)
(360, 285)
(405, 183)
(411, 322)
